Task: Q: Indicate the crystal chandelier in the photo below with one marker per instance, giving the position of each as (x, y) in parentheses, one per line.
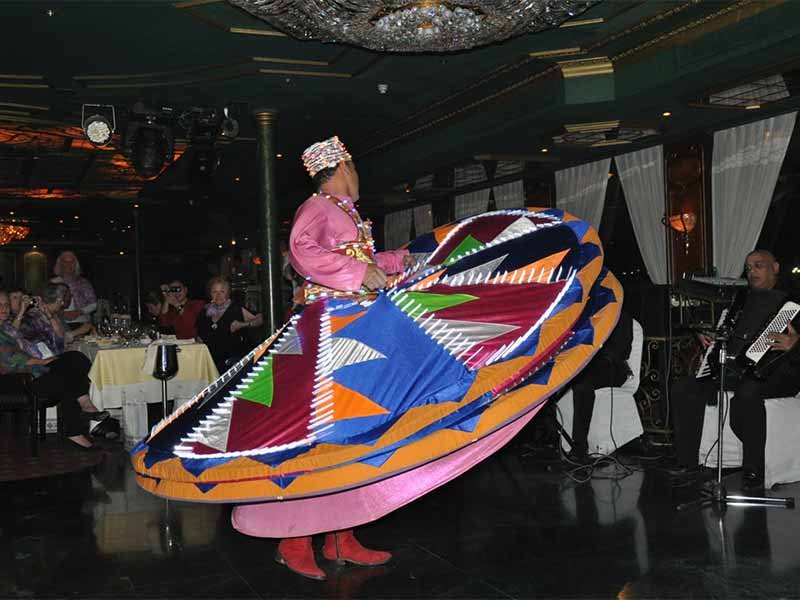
(413, 26)
(11, 232)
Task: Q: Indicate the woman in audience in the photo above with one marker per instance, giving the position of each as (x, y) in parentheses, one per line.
(61, 380)
(221, 325)
(83, 301)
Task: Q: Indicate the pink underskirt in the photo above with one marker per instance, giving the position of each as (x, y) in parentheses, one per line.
(343, 510)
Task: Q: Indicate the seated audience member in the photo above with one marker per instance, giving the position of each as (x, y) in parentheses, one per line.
(152, 306)
(608, 368)
(83, 301)
(747, 413)
(61, 380)
(15, 295)
(178, 311)
(221, 325)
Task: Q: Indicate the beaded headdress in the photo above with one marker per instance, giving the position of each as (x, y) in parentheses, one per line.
(324, 155)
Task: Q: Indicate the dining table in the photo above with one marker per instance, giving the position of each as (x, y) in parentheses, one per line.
(122, 380)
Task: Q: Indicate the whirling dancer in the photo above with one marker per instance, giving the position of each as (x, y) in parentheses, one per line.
(365, 402)
(332, 247)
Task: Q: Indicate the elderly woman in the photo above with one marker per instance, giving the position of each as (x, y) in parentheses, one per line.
(83, 300)
(220, 326)
(62, 380)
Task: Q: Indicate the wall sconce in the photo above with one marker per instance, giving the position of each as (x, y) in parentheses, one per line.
(684, 223)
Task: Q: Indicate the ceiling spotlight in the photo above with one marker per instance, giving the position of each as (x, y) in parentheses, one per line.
(229, 128)
(545, 150)
(97, 127)
(149, 140)
(279, 155)
(666, 113)
(383, 88)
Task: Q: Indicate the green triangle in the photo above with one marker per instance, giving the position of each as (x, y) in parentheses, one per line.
(468, 244)
(434, 302)
(261, 389)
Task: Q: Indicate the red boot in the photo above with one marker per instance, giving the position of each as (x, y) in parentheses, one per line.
(342, 546)
(298, 555)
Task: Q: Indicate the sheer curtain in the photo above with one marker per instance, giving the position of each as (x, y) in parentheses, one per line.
(423, 219)
(472, 203)
(581, 190)
(642, 177)
(397, 228)
(509, 195)
(744, 171)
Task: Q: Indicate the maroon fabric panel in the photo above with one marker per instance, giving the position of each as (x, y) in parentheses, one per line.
(484, 230)
(256, 426)
(530, 301)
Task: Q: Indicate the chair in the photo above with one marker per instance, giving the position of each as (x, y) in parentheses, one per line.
(17, 397)
(782, 454)
(615, 409)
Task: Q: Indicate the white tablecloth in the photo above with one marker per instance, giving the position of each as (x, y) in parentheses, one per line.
(122, 382)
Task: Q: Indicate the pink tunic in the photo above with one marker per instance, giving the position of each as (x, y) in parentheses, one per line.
(319, 227)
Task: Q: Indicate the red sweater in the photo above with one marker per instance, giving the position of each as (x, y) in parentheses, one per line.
(185, 322)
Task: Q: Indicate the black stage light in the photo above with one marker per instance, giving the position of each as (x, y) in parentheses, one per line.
(149, 140)
(97, 127)
(229, 128)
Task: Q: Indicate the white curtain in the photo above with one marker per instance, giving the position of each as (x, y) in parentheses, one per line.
(642, 177)
(744, 171)
(472, 203)
(423, 219)
(581, 190)
(397, 228)
(509, 195)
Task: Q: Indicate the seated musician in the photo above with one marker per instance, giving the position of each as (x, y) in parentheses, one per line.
(609, 368)
(747, 414)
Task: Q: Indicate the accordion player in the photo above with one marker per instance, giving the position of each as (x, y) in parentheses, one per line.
(765, 363)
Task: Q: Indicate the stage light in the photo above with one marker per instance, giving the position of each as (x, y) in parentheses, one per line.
(149, 141)
(97, 127)
(229, 128)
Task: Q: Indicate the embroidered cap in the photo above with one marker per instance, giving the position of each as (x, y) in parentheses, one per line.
(324, 155)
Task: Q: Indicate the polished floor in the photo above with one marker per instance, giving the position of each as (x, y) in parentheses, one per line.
(516, 526)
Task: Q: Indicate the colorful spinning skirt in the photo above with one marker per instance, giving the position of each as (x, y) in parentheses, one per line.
(353, 409)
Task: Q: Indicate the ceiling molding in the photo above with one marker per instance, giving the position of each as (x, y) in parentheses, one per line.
(193, 3)
(581, 22)
(305, 73)
(585, 67)
(556, 53)
(252, 31)
(290, 61)
(24, 106)
(591, 127)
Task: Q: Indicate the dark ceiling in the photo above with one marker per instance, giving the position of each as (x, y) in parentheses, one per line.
(629, 61)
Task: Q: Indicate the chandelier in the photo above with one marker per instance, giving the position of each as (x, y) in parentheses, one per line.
(413, 26)
(10, 233)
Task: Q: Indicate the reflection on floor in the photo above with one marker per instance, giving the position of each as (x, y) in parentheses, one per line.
(514, 527)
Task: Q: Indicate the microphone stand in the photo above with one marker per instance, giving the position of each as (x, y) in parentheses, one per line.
(717, 496)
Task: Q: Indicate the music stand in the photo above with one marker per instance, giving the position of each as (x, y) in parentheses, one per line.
(718, 496)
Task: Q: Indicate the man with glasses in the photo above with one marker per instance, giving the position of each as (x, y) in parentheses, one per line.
(178, 311)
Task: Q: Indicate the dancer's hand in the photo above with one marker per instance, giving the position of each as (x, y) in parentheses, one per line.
(374, 278)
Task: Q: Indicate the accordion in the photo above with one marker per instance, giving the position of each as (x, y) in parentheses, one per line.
(754, 319)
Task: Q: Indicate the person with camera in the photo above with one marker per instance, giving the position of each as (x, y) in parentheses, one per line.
(179, 311)
(60, 379)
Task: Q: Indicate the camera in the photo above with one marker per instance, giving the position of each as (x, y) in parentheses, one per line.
(34, 301)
